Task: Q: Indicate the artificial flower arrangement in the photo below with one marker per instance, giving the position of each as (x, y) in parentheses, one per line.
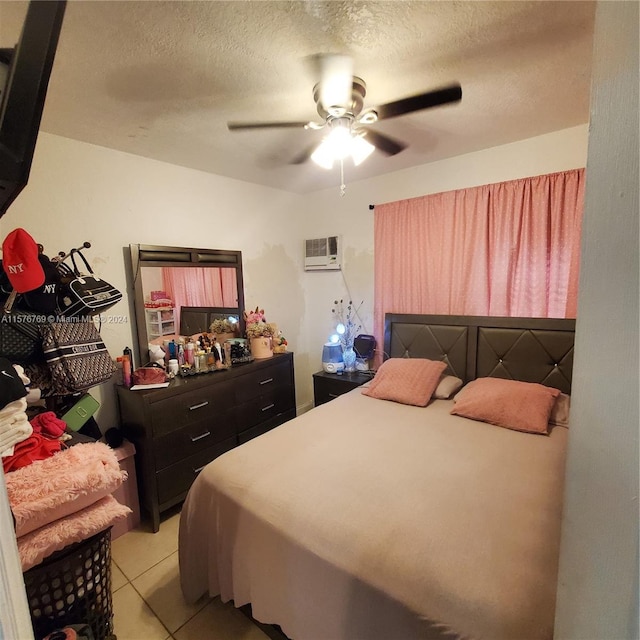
(257, 325)
(346, 327)
(346, 330)
(222, 325)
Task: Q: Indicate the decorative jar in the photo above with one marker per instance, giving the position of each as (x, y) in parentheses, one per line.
(261, 347)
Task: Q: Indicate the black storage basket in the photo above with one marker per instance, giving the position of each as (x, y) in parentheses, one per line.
(73, 586)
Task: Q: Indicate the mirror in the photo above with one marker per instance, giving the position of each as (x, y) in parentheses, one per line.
(182, 291)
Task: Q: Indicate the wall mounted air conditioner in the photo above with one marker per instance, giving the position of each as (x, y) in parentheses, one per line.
(322, 254)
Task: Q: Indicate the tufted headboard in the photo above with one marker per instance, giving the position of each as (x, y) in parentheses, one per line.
(528, 349)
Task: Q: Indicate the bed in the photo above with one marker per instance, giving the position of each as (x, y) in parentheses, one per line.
(366, 518)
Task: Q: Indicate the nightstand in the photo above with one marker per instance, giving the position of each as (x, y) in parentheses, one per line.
(327, 386)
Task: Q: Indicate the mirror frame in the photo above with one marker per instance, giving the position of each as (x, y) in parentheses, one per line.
(147, 255)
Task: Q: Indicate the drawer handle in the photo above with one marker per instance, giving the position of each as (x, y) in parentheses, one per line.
(199, 405)
(269, 406)
(267, 381)
(204, 435)
(199, 469)
(334, 395)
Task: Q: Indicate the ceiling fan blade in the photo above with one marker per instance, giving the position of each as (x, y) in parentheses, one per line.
(387, 145)
(240, 126)
(336, 78)
(419, 102)
(304, 155)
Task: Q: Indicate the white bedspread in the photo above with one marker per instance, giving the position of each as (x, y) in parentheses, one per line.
(368, 519)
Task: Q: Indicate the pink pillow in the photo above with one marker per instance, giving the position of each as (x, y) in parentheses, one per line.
(523, 406)
(406, 380)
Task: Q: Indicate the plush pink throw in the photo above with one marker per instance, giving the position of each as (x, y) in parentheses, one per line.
(65, 483)
(37, 545)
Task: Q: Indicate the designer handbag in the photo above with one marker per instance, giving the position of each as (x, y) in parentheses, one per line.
(20, 339)
(84, 294)
(76, 355)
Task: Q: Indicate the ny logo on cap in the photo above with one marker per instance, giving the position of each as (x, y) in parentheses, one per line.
(16, 268)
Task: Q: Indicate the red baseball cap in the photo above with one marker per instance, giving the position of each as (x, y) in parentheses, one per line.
(20, 261)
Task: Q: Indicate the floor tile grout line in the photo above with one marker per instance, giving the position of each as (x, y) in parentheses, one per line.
(155, 615)
(200, 610)
(148, 568)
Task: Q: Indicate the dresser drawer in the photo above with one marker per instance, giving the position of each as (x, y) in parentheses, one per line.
(264, 381)
(175, 480)
(188, 408)
(264, 407)
(195, 437)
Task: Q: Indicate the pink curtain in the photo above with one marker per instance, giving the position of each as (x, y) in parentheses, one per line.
(505, 249)
(200, 287)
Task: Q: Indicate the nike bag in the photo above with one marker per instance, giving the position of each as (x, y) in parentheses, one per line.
(85, 294)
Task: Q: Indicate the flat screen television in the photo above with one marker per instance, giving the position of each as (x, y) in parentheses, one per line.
(24, 78)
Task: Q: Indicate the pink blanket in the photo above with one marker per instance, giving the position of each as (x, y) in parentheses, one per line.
(37, 545)
(66, 483)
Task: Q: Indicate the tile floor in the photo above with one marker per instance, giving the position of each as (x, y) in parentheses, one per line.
(148, 603)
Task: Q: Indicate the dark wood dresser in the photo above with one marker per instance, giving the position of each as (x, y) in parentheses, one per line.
(178, 430)
(327, 386)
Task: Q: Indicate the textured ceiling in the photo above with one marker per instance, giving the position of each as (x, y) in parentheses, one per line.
(161, 79)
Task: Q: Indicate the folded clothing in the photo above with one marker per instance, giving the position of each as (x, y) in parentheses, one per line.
(14, 430)
(34, 547)
(12, 409)
(63, 484)
(32, 449)
(48, 424)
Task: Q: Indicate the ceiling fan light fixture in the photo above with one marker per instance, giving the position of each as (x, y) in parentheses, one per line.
(323, 156)
(360, 150)
(340, 143)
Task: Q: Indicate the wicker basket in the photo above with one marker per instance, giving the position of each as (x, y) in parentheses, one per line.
(73, 586)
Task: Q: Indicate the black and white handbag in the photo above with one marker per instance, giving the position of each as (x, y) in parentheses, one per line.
(84, 294)
(76, 355)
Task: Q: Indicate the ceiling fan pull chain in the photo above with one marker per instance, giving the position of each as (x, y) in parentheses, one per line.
(343, 187)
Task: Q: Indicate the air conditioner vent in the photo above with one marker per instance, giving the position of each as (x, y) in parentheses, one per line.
(322, 254)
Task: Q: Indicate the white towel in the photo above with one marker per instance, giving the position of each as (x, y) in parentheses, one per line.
(13, 408)
(20, 371)
(14, 430)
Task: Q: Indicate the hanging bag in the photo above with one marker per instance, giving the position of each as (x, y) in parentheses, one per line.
(76, 356)
(20, 340)
(84, 294)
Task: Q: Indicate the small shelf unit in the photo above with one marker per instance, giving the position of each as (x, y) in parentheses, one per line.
(160, 322)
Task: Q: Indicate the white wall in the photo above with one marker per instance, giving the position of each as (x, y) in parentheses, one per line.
(79, 192)
(328, 214)
(598, 578)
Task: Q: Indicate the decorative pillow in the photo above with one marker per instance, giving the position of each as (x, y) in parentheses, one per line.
(406, 380)
(523, 406)
(560, 412)
(447, 386)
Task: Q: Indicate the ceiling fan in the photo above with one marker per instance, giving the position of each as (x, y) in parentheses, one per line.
(339, 98)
